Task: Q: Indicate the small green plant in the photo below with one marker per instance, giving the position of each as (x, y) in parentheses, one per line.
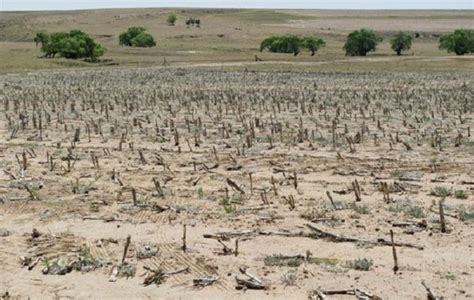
(156, 277)
(86, 261)
(408, 208)
(465, 215)
(228, 207)
(447, 276)
(414, 211)
(289, 278)
(278, 260)
(323, 261)
(361, 209)
(360, 264)
(200, 193)
(441, 191)
(460, 194)
(311, 213)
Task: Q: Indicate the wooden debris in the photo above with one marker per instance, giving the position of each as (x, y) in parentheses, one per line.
(321, 294)
(251, 282)
(205, 281)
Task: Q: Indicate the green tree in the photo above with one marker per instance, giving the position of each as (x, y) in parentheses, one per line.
(172, 19)
(361, 42)
(41, 38)
(401, 41)
(73, 45)
(313, 44)
(461, 41)
(136, 37)
(144, 39)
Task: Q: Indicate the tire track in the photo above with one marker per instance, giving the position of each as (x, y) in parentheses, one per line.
(198, 269)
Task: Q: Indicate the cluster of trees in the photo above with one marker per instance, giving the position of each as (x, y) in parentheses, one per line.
(292, 44)
(193, 22)
(360, 42)
(136, 37)
(72, 45)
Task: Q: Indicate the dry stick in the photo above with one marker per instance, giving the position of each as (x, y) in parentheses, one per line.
(25, 161)
(251, 183)
(274, 186)
(394, 252)
(441, 216)
(215, 153)
(234, 186)
(127, 244)
(184, 238)
(189, 145)
(226, 248)
(33, 196)
(332, 201)
(340, 239)
(158, 187)
(134, 196)
(236, 251)
(356, 188)
(295, 178)
(431, 295)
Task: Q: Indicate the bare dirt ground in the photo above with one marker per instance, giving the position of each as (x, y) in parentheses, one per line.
(297, 178)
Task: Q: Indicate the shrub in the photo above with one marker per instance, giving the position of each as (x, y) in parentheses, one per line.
(441, 191)
(360, 264)
(136, 37)
(401, 42)
(460, 194)
(73, 45)
(144, 40)
(361, 42)
(171, 19)
(460, 41)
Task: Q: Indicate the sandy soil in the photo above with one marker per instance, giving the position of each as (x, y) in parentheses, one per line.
(408, 130)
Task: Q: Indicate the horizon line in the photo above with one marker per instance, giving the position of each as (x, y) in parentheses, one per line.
(235, 8)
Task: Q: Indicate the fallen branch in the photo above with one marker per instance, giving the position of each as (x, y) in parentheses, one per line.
(431, 295)
(360, 294)
(234, 186)
(253, 282)
(205, 281)
(339, 239)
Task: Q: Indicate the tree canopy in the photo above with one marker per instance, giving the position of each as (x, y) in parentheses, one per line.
(401, 41)
(460, 41)
(291, 44)
(361, 42)
(73, 45)
(136, 37)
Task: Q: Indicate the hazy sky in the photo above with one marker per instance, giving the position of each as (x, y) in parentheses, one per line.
(324, 4)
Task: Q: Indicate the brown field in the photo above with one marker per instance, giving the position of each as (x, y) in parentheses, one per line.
(230, 36)
(292, 170)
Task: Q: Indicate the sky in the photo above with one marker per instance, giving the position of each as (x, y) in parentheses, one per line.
(12, 5)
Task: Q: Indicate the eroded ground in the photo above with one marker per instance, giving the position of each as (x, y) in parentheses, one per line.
(76, 146)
